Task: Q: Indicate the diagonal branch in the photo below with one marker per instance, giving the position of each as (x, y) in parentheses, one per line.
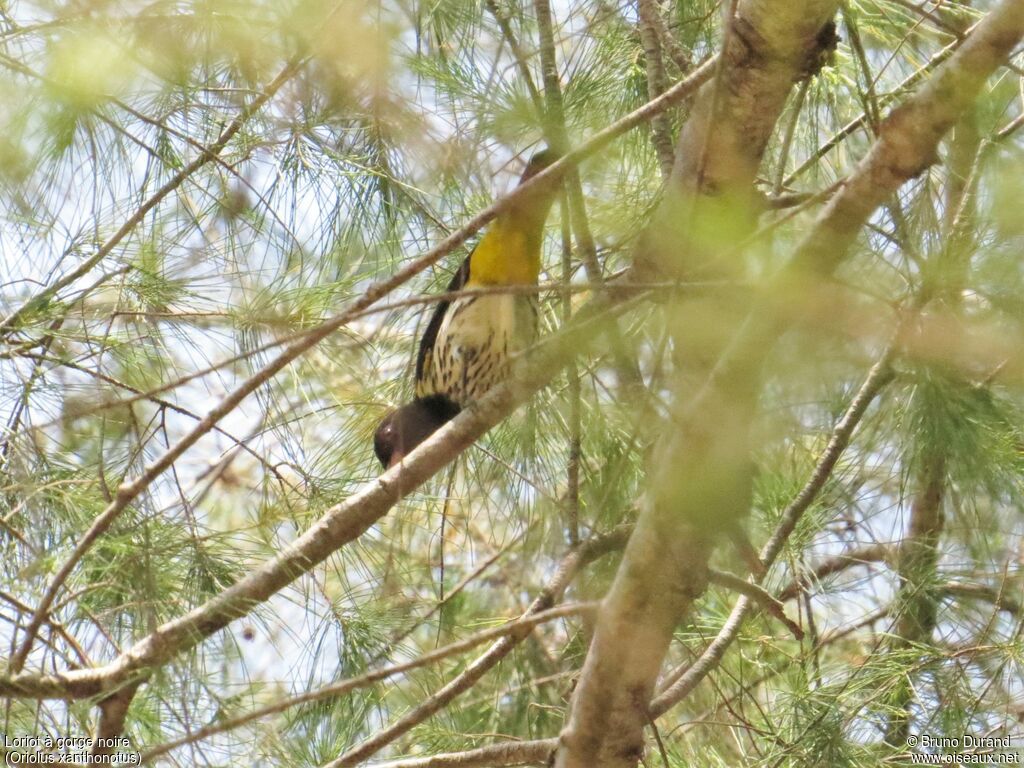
(342, 687)
(704, 484)
(104, 521)
(874, 553)
(758, 595)
(564, 574)
(592, 146)
(208, 155)
(703, 463)
(908, 140)
(684, 680)
(129, 490)
(536, 752)
(339, 525)
(906, 145)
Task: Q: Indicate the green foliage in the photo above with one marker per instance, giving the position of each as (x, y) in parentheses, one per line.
(384, 129)
(977, 430)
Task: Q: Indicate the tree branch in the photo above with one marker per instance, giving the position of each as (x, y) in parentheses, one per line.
(342, 687)
(129, 490)
(564, 575)
(680, 683)
(124, 493)
(906, 145)
(537, 752)
(339, 525)
(557, 133)
(876, 553)
(771, 605)
(700, 482)
(909, 137)
(648, 20)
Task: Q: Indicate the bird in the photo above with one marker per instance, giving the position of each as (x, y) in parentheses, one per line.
(469, 343)
(404, 428)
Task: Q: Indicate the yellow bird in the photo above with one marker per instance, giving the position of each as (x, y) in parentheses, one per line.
(470, 340)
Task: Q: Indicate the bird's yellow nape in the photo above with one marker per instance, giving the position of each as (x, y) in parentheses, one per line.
(509, 252)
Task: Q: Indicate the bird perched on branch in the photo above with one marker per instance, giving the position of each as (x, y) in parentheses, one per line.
(469, 341)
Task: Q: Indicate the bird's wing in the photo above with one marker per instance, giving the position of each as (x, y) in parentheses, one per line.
(423, 358)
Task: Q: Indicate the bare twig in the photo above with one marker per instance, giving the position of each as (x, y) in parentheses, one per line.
(677, 685)
(876, 553)
(367, 679)
(997, 597)
(564, 574)
(760, 596)
(208, 155)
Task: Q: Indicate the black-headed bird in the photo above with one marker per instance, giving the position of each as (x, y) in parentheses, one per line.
(469, 342)
(406, 427)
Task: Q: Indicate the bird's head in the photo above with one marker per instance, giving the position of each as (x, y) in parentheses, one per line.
(537, 203)
(406, 427)
(509, 253)
(538, 163)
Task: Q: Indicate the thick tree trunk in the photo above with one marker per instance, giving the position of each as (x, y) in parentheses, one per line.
(702, 473)
(701, 485)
